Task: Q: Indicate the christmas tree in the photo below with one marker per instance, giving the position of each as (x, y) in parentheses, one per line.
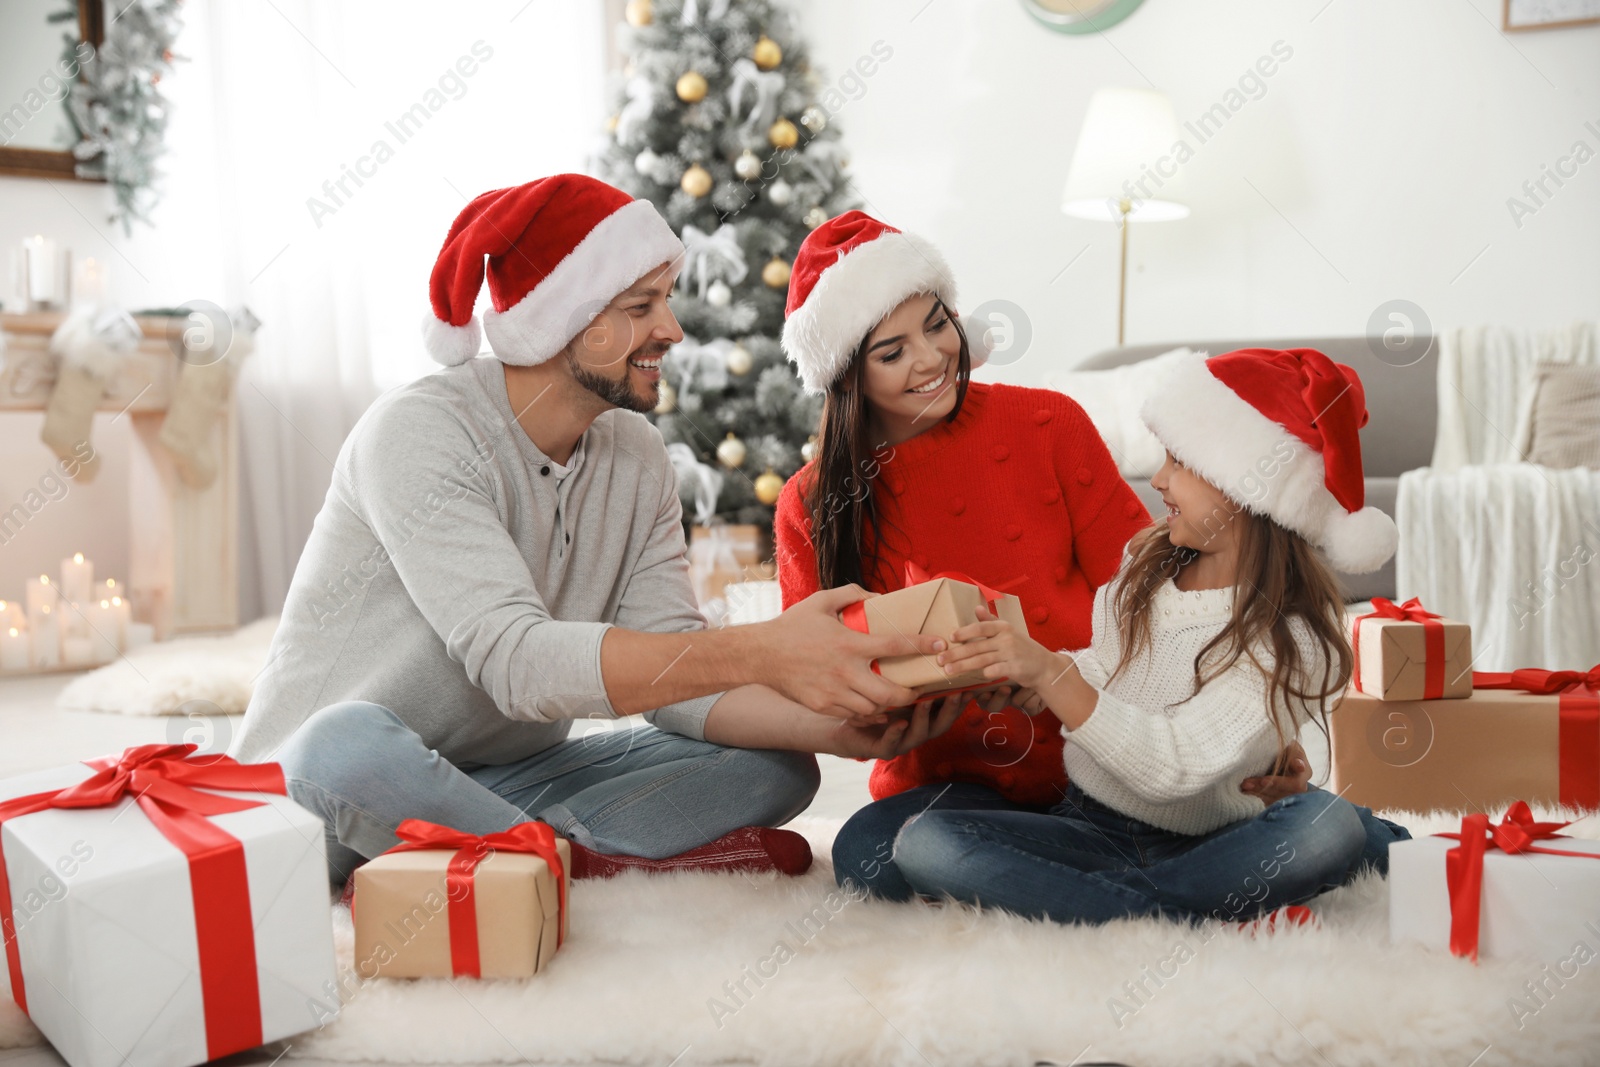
(717, 124)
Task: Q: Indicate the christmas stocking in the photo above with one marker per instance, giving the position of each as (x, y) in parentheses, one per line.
(90, 347)
(201, 394)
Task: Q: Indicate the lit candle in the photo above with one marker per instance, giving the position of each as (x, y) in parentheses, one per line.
(40, 256)
(88, 282)
(13, 650)
(46, 633)
(104, 632)
(77, 579)
(41, 594)
(77, 651)
(123, 612)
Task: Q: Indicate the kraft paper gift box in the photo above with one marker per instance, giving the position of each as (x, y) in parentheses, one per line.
(1533, 905)
(405, 929)
(1481, 753)
(938, 606)
(721, 555)
(1405, 653)
(131, 953)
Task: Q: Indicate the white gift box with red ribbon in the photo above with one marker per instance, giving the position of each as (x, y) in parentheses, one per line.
(136, 950)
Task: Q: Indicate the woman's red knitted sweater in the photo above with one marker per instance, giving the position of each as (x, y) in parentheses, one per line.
(1020, 492)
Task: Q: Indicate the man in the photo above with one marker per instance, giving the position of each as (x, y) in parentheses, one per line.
(500, 553)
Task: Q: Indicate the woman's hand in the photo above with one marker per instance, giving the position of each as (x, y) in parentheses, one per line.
(1294, 777)
(906, 729)
(1000, 650)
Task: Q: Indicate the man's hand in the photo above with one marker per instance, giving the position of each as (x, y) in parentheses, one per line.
(818, 661)
(1294, 776)
(921, 722)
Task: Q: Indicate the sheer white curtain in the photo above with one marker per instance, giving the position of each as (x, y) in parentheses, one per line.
(319, 152)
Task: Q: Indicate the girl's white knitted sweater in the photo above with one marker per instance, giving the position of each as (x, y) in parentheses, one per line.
(1172, 763)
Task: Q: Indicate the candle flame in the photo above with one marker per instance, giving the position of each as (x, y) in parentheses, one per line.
(44, 579)
(105, 603)
(115, 600)
(111, 583)
(77, 557)
(13, 631)
(45, 608)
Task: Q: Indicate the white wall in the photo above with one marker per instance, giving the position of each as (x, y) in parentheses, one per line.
(1387, 145)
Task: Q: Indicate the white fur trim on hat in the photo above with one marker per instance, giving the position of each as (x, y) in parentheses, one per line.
(855, 294)
(620, 250)
(451, 345)
(1261, 466)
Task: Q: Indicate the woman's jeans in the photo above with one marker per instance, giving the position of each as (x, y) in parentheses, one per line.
(1080, 861)
(640, 792)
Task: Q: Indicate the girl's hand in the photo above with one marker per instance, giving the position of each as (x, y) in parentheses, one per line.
(1294, 776)
(905, 730)
(1000, 649)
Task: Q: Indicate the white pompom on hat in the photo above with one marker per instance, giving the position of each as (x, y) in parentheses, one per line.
(1278, 432)
(849, 274)
(558, 250)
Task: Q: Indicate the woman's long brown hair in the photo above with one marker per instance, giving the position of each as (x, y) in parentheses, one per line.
(1281, 577)
(845, 519)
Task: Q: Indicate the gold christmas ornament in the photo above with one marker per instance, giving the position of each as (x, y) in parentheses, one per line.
(692, 87)
(816, 217)
(808, 451)
(730, 453)
(783, 134)
(696, 181)
(740, 360)
(766, 53)
(775, 273)
(814, 118)
(638, 13)
(666, 399)
(768, 487)
(611, 123)
(747, 166)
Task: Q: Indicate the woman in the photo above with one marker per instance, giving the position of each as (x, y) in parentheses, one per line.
(917, 464)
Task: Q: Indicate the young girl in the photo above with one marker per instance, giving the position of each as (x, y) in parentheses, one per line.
(1221, 635)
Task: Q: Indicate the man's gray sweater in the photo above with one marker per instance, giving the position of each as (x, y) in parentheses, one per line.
(463, 580)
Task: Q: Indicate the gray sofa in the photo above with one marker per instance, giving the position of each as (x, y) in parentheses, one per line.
(1402, 408)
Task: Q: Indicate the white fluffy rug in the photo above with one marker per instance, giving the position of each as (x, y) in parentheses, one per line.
(160, 679)
(653, 970)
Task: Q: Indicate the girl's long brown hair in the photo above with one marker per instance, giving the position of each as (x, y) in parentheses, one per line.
(846, 524)
(1281, 577)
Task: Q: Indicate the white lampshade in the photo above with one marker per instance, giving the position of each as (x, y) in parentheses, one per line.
(1128, 134)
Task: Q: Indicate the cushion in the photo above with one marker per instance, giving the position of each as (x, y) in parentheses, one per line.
(1566, 416)
(1111, 398)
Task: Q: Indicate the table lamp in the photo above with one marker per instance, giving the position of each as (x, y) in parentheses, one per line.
(1123, 168)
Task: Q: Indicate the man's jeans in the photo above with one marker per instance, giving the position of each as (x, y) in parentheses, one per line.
(1084, 862)
(640, 792)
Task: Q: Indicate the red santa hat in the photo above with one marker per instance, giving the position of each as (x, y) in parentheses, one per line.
(849, 274)
(559, 250)
(1279, 434)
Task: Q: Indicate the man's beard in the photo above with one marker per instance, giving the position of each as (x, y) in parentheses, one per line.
(617, 392)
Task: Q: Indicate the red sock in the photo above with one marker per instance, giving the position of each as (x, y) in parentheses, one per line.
(752, 848)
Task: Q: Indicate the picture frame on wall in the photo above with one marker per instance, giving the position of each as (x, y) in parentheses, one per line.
(1518, 15)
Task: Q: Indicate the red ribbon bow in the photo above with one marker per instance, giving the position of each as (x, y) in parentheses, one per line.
(1432, 636)
(535, 838)
(1514, 835)
(162, 781)
(1579, 708)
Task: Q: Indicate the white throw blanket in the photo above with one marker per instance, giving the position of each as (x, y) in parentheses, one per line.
(1507, 546)
(1514, 550)
(1486, 388)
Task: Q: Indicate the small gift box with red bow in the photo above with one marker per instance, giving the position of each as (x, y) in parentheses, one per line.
(936, 604)
(447, 904)
(1403, 652)
(163, 909)
(1515, 888)
(1532, 735)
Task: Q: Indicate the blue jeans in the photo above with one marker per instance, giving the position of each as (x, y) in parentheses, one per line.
(640, 792)
(1084, 862)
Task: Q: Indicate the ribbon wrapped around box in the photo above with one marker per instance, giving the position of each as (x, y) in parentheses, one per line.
(1514, 888)
(936, 604)
(445, 904)
(1403, 652)
(1532, 735)
(162, 909)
